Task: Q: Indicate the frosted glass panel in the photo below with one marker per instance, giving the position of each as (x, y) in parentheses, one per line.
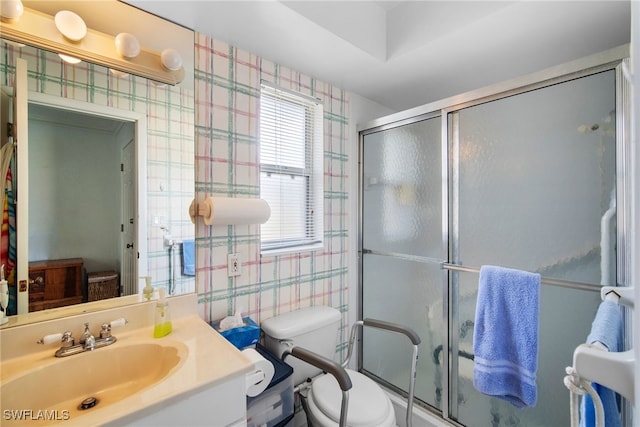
(402, 207)
(537, 192)
(408, 293)
(402, 218)
(537, 174)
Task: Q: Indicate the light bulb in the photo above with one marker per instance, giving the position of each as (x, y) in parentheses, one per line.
(70, 25)
(127, 45)
(11, 10)
(118, 73)
(171, 59)
(69, 59)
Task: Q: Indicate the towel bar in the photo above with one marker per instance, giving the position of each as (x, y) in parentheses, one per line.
(544, 280)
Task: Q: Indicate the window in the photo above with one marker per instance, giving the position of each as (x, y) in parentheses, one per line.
(291, 169)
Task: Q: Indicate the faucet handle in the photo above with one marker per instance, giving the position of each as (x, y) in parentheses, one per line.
(49, 339)
(118, 322)
(66, 339)
(105, 331)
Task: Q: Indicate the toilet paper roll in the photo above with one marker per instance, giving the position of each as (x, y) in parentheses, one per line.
(193, 210)
(259, 378)
(234, 210)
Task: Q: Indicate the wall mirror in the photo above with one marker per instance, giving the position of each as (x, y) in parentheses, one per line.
(109, 176)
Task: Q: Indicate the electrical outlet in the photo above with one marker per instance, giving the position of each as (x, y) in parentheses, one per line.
(233, 265)
(159, 220)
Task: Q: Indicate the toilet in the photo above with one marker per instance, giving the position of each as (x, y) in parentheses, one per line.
(316, 329)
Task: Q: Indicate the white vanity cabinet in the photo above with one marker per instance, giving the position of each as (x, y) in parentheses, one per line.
(221, 405)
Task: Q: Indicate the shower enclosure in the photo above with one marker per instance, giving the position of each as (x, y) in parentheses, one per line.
(528, 175)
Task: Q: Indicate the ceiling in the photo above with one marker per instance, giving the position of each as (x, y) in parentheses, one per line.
(73, 118)
(402, 54)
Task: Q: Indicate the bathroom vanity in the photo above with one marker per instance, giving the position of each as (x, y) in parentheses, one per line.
(193, 376)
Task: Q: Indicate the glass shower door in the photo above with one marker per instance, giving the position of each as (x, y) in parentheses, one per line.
(402, 246)
(535, 179)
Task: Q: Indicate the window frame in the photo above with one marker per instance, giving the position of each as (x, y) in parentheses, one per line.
(312, 173)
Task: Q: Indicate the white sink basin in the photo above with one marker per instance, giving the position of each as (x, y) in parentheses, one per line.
(138, 380)
(59, 387)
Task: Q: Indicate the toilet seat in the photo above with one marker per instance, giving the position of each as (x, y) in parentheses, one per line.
(368, 404)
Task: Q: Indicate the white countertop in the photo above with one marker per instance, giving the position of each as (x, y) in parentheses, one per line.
(211, 360)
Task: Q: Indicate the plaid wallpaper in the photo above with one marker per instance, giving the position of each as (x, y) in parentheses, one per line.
(169, 111)
(226, 102)
(227, 91)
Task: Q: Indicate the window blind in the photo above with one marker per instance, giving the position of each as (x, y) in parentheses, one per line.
(291, 169)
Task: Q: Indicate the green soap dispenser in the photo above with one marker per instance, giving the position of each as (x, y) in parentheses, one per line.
(148, 289)
(163, 319)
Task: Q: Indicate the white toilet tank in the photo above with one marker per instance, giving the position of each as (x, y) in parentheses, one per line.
(314, 328)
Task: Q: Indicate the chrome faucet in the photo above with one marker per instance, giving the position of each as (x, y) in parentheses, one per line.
(88, 342)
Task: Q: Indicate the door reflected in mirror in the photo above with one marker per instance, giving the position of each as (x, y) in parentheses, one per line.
(79, 208)
(82, 205)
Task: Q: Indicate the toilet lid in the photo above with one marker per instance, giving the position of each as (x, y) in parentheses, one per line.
(368, 404)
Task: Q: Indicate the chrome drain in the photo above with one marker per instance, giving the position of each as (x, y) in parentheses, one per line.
(88, 403)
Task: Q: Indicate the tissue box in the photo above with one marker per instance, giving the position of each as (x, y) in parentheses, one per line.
(243, 336)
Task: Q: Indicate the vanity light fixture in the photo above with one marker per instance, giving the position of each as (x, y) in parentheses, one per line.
(11, 10)
(67, 34)
(69, 59)
(127, 45)
(70, 25)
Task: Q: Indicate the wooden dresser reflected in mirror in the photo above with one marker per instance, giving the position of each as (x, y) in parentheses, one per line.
(55, 283)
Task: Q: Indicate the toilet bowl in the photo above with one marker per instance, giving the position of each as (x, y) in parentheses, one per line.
(368, 404)
(315, 329)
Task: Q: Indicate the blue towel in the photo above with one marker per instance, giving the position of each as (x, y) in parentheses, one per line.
(607, 326)
(607, 329)
(505, 341)
(189, 257)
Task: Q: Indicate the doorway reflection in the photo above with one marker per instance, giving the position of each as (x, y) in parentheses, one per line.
(81, 204)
